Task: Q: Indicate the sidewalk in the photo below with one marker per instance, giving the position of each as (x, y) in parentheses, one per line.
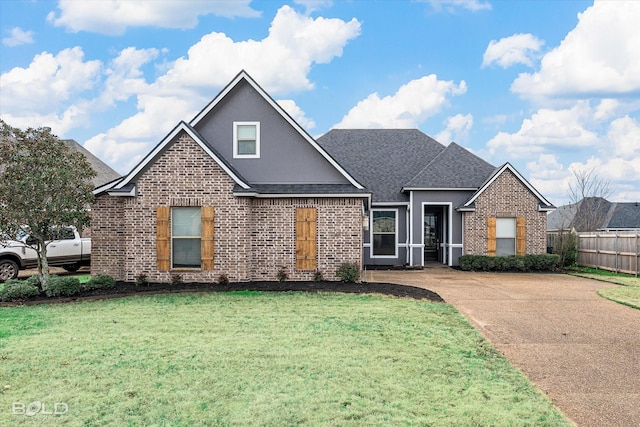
(582, 350)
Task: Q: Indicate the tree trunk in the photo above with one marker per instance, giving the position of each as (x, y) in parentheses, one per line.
(43, 266)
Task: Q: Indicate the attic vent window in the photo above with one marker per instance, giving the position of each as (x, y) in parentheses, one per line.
(246, 140)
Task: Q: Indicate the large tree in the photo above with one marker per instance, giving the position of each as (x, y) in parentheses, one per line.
(43, 185)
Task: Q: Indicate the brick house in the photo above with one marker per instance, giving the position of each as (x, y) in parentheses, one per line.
(243, 190)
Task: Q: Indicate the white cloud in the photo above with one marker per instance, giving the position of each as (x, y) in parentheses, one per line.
(280, 63)
(18, 37)
(561, 129)
(297, 114)
(600, 56)
(115, 16)
(407, 108)
(452, 5)
(45, 93)
(457, 129)
(624, 139)
(517, 49)
(618, 161)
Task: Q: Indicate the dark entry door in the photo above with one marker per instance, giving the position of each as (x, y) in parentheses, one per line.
(431, 236)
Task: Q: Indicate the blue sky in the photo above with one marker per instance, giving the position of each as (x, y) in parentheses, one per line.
(550, 86)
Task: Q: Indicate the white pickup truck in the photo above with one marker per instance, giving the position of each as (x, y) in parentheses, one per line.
(69, 251)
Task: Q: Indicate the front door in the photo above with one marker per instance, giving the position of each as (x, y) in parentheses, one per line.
(431, 236)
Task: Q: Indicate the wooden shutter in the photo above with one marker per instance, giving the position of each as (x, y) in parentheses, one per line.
(206, 237)
(521, 236)
(306, 238)
(163, 235)
(491, 236)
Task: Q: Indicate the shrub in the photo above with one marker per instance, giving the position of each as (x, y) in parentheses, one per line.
(565, 244)
(282, 274)
(318, 277)
(348, 272)
(35, 281)
(223, 279)
(18, 290)
(62, 286)
(142, 280)
(176, 279)
(533, 262)
(101, 281)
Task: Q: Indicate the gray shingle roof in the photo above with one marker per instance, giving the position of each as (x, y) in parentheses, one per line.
(609, 215)
(388, 160)
(383, 160)
(301, 189)
(104, 173)
(454, 167)
(625, 215)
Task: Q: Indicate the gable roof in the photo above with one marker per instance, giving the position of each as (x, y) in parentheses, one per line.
(383, 159)
(104, 173)
(453, 168)
(124, 186)
(603, 213)
(544, 204)
(244, 76)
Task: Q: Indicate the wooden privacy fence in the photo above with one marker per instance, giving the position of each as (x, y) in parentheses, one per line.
(616, 251)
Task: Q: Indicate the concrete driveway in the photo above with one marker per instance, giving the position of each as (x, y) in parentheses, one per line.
(582, 350)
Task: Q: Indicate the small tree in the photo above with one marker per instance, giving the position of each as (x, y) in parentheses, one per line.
(591, 192)
(43, 185)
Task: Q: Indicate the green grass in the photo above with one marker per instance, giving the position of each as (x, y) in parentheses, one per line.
(627, 294)
(259, 359)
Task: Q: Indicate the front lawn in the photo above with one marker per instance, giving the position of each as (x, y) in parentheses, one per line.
(250, 358)
(628, 293)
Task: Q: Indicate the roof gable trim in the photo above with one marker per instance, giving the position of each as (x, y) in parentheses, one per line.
(243, 75)
(182, 126)
(507, 166)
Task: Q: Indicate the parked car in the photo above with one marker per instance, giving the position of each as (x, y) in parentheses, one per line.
(66, 249)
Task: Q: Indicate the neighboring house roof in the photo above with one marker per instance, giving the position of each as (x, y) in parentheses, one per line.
(595, 213)
(543, 205)
(383, 159)
(453, 168)
(104, 173)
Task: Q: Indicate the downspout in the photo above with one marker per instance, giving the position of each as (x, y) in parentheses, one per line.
(410, 228)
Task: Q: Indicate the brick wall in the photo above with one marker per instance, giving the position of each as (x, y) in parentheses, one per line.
(253, 238)
(273, 236)
(507, 196)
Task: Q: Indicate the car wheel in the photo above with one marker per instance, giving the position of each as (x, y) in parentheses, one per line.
(72, 268)
(8, 270)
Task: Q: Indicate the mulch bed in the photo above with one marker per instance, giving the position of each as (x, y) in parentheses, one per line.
(123, 289)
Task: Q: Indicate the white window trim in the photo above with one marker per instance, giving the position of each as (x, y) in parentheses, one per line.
(514, 238)
(172, 238)
(235, 141)
(395, 255)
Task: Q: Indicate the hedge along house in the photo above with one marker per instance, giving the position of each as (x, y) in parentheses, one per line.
(434, 203)
(241, 190)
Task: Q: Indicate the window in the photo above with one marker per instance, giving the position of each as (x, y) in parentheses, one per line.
(185, 237)
(384, 233)
(246, 140)
(505, 236)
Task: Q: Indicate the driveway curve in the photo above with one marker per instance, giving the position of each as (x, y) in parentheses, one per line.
(582, 350)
